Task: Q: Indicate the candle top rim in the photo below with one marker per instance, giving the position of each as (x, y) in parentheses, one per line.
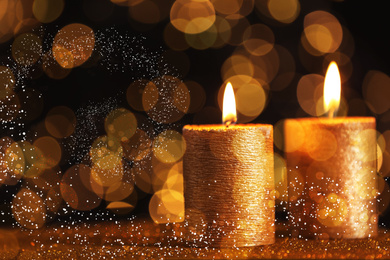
(208, 127)
(336, 120)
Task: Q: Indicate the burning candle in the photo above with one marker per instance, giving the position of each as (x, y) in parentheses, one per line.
(229, 182)
(332, 171)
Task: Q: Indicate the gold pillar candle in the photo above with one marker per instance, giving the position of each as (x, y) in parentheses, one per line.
(229, 185)
(332, 177)
(228, 173)
(331, 165)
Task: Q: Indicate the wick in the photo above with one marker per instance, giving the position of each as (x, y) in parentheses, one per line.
(331, 113)
(227, 123)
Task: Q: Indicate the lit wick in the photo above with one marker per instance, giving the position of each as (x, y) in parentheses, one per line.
(332, 89)
(229, 114)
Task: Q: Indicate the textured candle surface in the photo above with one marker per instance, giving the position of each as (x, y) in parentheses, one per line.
(229, 185)
(332, 178)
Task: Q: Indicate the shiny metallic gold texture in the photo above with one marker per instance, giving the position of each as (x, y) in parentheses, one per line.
(229, 185)
(332, 178)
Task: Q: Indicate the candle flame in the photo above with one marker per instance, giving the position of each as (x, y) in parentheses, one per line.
(332, 89)
(229, 114)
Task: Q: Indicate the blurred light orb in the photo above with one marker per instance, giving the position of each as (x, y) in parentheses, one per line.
(376, 91)
(27, 49)
(9, 244)
(138, 146)
(198, 96)
(77, 190)
(51, 68)
(29, 209)
(192, 16)
(50, 150)
(120, 207)
(332, 211)
(73, 45)
(323, 31)
(227, 7)
(203, 40)
(121, 124)
(284, 11)
(310, 92)
(150, 11)
(60, 121)
(169, 146)
(237, 64)
(107, 170)
(118, 191)
(105, 146)
(7, 82)
(47, 11)
(14, 163)
(167, 206)
(258, 39)
(165, 99)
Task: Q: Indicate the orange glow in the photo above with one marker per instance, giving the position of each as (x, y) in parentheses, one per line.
(229, 114)
(332, 89)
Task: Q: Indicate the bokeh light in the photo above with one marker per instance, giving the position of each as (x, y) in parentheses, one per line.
(138, 146)
(332, 211)
(27, 49)
(105, 146)
(258, 39)
(29, 209)
(309, 93)
(323, 31)
(192, 16)
(284, 11)
(376, 91)
(76, 188)
(150, 11)
(165, 99)
(60, 121)
(167, 206)
(73, 45)
(50, 149)
(47, 11)
(7, 82)
(121, 124)
(120, 207)
(52, 68)
(169, 146)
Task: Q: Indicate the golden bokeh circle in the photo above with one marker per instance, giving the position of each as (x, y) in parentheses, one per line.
(28, 209)
(60, 121)
(284, 11)
(259, 39)
(47, 11)
(169, 146)
(323, 31)
(27, 49)
(120, 123)
(73, 45)
(192, 16)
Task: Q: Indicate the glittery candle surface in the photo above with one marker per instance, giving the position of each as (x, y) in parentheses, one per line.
(229, 185)
(332, 179)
